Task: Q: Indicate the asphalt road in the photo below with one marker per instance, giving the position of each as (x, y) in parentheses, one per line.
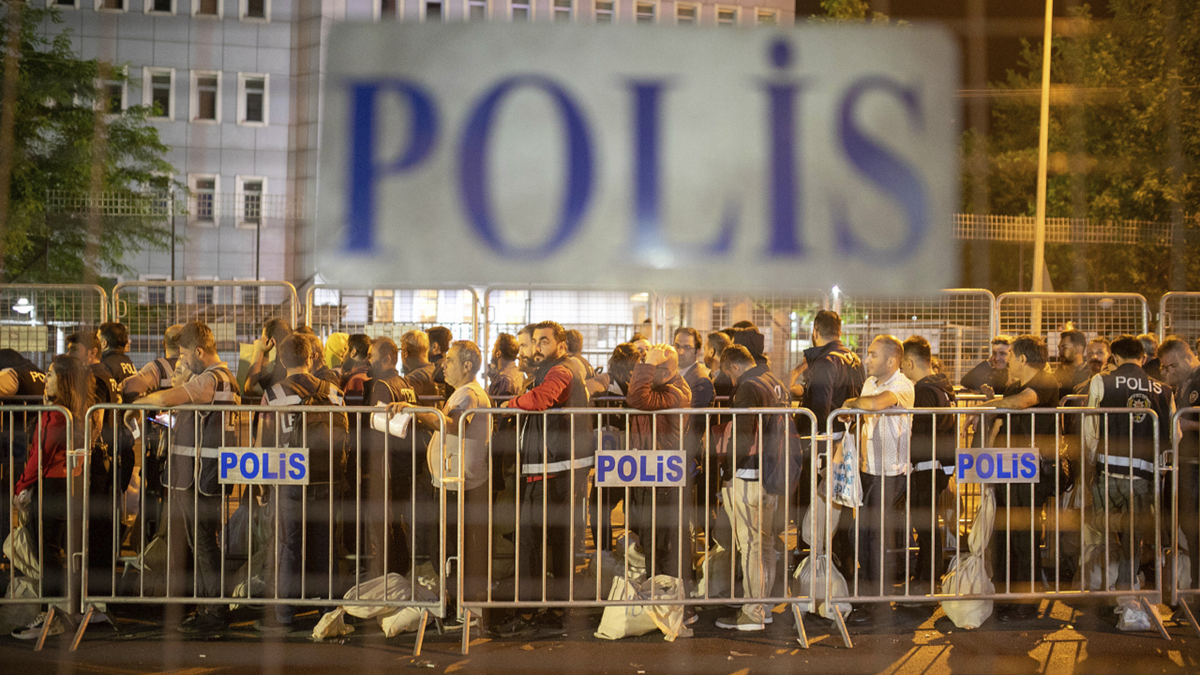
(1062, 639)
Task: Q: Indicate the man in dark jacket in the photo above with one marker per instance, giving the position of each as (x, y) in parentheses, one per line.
(764, 466)
(831, 372)
(418, 371)
(552, 472)
(933, 449)
(994, 371)
(1072, 370)
(114, 341)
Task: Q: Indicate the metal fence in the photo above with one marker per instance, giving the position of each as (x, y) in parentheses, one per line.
(367, 529)
(392, 312)
(35, 319)
(234, 310)
(1185, 513)
(959, 324)
(1096, 314)
(1179, 314)
(605, 318)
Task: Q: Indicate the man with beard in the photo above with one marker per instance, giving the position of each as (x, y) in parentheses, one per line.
(714, 346)
(354, 369)
(1095, 357)
(1072, 369)
(992, 372)
(1181, 369)
(418, 371)
(552, 474)
(505, 379)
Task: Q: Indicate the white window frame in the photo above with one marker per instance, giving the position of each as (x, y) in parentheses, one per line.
(193, 207)
(377, 9)
(244, 6)
(144, 291)
(760, 11)
(695, 13)
(220, 10)
(610, 13)
(485, 4)
(99, 6)
(74, 7)
(193, 292)
(527, 4)
(240, 203)
(737, 16)
(124, 91)
(655, 7)
(571, 11)
(238, 299)
(243, 100)
(148, 90)
(194, 112)
(421, 7)
(148, 8)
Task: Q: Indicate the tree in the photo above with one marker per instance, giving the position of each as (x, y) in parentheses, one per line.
(1124, 143)
(68, 140)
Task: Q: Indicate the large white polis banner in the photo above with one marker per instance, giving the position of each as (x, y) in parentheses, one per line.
(619, 157)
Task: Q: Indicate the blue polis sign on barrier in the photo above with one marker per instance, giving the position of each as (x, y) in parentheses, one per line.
(263, 466)
(622, 156)
(998, 465)
(636, 468)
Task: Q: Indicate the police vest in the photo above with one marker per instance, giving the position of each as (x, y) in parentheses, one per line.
(118, 365)
(30, 380)
(1130, 387)
(216, 429)
(164, 367)
(324, 461)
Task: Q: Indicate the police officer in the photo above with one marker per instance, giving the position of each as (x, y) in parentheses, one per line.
(155, 375)
(1124, 447)
(114, 340)
(1181, 369)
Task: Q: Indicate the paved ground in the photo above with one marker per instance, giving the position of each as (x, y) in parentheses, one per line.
(1063, 639)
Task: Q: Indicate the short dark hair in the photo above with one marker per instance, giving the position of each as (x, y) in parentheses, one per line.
(386, 347)
(197, 335)
(1002, 340)
(295, 350)
(917, 348)
(84, 338)
(359, 344)
(305, 329)
(318, 349)
(638, 336)
(620, 364)
(1175, 344)
(1150, 342)
(1074, 337)
(719, 341)
(1127, 347)
(11, 358)
(527, 329)
(171, 337)
(1099, 339)
(440, 336)
(744, 323)
(894, 346)
(469, 352)
(827, 324)
(506, 345)
(560, 334)
(737, 354)
(697, 341)
(115, 334)
(574, 341)
(277, 329)
(1032, 347)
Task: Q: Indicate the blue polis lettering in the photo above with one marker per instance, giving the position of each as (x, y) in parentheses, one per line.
(891, 174)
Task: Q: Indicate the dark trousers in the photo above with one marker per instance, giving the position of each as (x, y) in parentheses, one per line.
(1189, 514)
(194, 523)
(879, 523)
(302, 543)
(924, 488)
(1017, 537)
(659, 518)
(546, 547)
(53, 533)
(473, 557)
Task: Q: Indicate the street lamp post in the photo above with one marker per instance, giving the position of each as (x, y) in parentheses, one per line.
(1039, 236)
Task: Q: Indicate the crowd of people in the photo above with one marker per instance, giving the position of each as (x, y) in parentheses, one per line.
(372, 497)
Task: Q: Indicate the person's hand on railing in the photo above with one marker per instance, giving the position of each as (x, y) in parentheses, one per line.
(398, 407)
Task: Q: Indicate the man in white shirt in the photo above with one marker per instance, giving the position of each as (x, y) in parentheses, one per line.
(883, 466)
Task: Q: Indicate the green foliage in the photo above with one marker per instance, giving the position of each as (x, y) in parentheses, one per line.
(59, 135)
(1110, 145)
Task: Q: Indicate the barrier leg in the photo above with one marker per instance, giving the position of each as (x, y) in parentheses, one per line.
(466, 636)
(83, 624)
(802, 636)
(421, 632)
(1191, 618)
(1153, 614)
(841, 624)
(45, 629)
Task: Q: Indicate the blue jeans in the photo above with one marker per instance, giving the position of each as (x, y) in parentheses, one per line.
(302, 541)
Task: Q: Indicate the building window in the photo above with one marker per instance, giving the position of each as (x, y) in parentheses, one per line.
(562, 10)
(204, 200)
(160, 6)
(384, 307)
(477, 10)
(727, 17)
(520, 10)
(249, 295)
(256, 10)
(68, 4)
(433, 10)
(645, 12)
(685, 15)
(206, 8)
(110, 5)
(158, 88)
(206, 97)
(604, 11)
(388, 9)
(153, 295)
(252, 99)
(250, 200)
(112, 96)
(205, 295)
(766, 17)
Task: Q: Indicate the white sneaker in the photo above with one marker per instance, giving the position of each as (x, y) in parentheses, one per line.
(34, 630)
(739, 622)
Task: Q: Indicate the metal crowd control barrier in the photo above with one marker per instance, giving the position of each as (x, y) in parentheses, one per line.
(547, 515)
(1185, 509)
(369, 512)
(391, 312)
(234, 310)
(1096, 314)
(37, 318)
(1179, 314)
(46, 510)
(1068, 446)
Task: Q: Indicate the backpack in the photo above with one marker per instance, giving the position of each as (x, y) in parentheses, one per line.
(326, 435)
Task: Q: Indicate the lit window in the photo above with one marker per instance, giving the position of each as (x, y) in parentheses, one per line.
(685, 15)
(645, 12)
(384, 307)
(604, 11)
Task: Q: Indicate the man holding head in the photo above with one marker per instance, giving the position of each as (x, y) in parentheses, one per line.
(195, 505)
(884, 465)
(260, 377)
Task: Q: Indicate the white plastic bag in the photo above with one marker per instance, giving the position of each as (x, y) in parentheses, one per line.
(847, 487)
(812, 527)
(19, 615)
(811, 576)
(393, 620)
(713, 574)
(968, 572)
(396, 425)
(631, 620)
(19, 547)
(331, 625)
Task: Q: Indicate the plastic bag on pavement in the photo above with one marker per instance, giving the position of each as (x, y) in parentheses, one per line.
(331, 625)
(811, 576)
(393, 620)
(1132, 616)
(19, 615)
(621, 621)
(712, 573)
(812, 526)
(968, 572)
